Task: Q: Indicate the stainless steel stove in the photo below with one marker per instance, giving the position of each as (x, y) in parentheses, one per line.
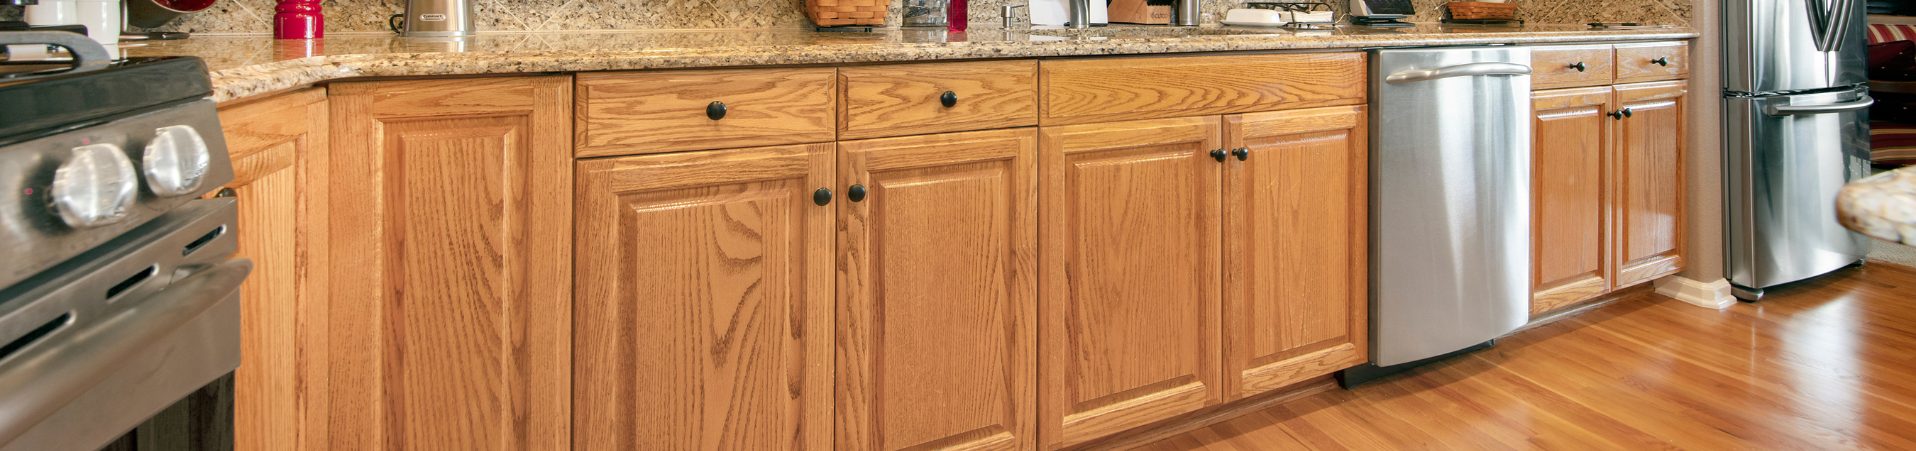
(117, 296)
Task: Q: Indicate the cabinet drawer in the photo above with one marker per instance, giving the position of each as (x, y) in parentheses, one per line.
(908, 99)
(652, 112)
(1639, 62)
(1558, 66)
(1101, 90)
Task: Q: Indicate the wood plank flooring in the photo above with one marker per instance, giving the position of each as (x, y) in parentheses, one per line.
(1828, 364)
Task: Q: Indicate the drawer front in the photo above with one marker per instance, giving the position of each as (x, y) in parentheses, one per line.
(1101, 90)
(908, 99)
(652, 112)
(1640, 62)
(1569, 66)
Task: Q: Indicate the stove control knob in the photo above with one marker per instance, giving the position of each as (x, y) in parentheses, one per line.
(175, 161)
(95, 186)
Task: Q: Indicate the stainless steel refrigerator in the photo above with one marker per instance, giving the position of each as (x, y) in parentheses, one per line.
(1795, 129)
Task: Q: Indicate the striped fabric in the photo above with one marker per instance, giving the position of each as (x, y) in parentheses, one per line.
(1892, 143)
(1881, 33)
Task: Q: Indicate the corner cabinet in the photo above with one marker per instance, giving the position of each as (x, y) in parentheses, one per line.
(450, 313)
(1607, 186)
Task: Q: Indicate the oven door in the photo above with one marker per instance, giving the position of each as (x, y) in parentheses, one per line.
(99, 344)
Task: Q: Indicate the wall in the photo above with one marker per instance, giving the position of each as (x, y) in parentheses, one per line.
(1893, 253)
(1703, 255)
(254, 16)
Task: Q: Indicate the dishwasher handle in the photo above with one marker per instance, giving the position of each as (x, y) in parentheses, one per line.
(1461, 70)
(1775, 110)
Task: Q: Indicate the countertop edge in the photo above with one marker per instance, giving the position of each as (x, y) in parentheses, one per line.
(250, 81)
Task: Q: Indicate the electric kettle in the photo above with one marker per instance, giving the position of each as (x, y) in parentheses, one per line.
(434, 18)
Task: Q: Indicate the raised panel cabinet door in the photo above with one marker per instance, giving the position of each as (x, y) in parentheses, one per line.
(1128, 307)
(704, 302)
(278, 146)
(1570, 196)
(451, 264)
(937, 298)
(1295, 228)
(1651, 141)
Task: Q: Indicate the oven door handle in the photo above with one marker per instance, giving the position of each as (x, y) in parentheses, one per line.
(1461, 70)
(46, 376)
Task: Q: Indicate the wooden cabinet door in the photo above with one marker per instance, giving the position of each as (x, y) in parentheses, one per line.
(1570, 196)
(1295, 229)
(1129, 311)
(704, 304)
(451, 264)
(278, 146)
(1651, 142)
(937, 298)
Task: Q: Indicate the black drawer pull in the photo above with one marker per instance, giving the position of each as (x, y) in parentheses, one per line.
(715, 110)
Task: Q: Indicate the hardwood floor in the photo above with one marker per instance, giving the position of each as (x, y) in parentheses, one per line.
(1828, 364)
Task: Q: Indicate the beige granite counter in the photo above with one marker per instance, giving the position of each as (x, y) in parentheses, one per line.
(245, 66)
(1882, 206)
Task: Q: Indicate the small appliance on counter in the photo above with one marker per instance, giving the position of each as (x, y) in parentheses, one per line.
(434, 18)
(1381, 13)
(117, 299)
(1058, 12)
(1282, 14)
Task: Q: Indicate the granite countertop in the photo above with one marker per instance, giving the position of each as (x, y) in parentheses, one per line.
(1882, 206)
(245, 66)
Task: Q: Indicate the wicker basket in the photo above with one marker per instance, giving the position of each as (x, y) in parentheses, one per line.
(832, 13)
(1482, 10)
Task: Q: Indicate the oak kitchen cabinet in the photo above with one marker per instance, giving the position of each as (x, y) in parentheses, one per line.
(279, 151)
(1608, 169)
(450, 310)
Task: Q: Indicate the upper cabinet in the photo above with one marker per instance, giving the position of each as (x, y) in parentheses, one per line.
(450, 310)
(279, 152)
(1294, 230)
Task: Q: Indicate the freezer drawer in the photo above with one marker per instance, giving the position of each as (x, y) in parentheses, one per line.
(1783, 164)
(1450, 206)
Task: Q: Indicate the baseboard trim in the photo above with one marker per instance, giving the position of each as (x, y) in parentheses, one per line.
(1711, 295)
(1147, 434)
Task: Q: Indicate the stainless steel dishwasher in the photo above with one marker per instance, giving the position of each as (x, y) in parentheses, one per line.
(1450, 202)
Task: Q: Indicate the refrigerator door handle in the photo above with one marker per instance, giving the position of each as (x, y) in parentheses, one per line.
(1838, 23)
(1844, 107)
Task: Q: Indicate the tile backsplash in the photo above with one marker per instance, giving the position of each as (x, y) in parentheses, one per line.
(255, 16)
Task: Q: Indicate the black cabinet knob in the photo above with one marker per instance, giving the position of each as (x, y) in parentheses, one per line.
(856, 193)
(1662, 61)
(1579, 67)
(1241, 153)
(226, 192)
(949, 99)
(1618, 115)
(822, 196)
(1218, 154)
(715, 110)
(1628, 113)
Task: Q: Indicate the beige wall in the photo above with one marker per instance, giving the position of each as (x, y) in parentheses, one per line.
(1704, 221)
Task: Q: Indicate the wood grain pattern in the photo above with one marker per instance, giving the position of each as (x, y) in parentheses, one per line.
(1554, 66)
(627, 113)
(1129, 309)
(1633, 61)
(1295, 245)
(450, 313)
(704, 301)
(1570, 196)
(900, 100)
(1651, 148)
(279, 152)
(1079, 91)
(1819, 365)
(937, 294)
